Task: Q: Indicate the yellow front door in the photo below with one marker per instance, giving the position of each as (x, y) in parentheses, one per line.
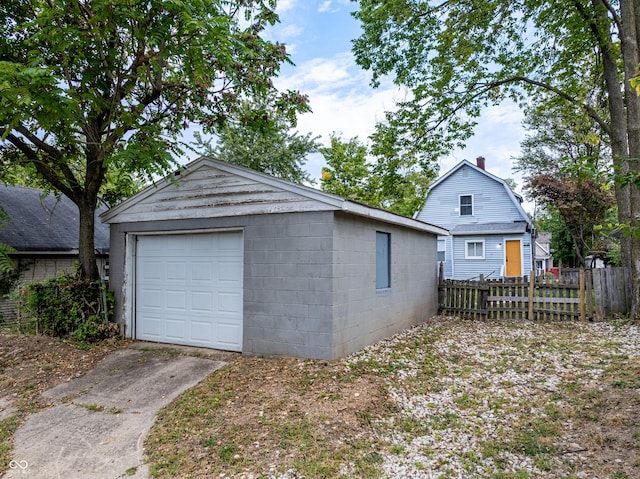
(513, 258)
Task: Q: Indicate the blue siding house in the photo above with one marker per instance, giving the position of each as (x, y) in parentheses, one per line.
(490, 233)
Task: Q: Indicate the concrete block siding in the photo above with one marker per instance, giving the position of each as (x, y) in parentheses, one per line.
(289, 310)
(309, 280)
(361, 314)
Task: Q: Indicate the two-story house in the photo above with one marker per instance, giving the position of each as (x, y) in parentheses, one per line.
(490, 233)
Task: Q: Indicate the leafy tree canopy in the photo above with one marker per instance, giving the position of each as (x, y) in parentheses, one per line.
(567, 168)
(270, 146)
(394, 183)
(89, 87)
(456, 57)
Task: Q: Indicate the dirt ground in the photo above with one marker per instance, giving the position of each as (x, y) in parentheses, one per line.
(266, 417)
(32, 364)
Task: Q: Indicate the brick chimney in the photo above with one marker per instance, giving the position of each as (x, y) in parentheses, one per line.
(480, 162)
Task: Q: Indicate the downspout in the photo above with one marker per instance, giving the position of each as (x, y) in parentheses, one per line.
(453, 259)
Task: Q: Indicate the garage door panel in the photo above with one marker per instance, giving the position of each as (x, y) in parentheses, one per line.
(176, 329)
(229, 302)
(201, 331)
(152, 327)
(153, 270)
(229, 336)
(151, 299)
(176, 271)
(189, 289)
(202, 271)
(177, 300)
(229, 271)
(202, 301)
(227, 244)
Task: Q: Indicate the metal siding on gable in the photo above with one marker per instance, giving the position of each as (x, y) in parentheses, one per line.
(189, 289)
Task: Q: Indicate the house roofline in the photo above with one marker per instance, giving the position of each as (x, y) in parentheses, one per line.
(334, 202)
(515, 198)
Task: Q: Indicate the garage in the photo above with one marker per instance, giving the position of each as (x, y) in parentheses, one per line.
(224, 257)
(189, 289)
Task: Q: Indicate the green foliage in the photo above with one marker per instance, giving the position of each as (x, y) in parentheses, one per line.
(6, 263)
(260, 139)
(95, 96)
(348, 174)
(566, 163)
(69, 306)
(396, 183)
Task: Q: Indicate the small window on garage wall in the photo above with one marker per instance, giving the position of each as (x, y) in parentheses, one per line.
(383, 260)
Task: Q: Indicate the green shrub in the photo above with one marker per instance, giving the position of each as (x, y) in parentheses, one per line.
(68, 305)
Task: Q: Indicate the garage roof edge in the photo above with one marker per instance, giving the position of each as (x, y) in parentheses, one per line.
(334, 202)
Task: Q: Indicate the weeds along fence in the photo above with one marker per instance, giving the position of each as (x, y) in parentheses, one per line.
(578, 295)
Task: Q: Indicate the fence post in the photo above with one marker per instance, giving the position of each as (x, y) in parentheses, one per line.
(582, 296)
(441, 289)
(532, 284)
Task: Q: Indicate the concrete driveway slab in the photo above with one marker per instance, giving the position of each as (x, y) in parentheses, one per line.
(99, 422)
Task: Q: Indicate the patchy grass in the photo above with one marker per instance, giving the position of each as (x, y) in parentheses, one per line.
(451, 398)
(30, 365)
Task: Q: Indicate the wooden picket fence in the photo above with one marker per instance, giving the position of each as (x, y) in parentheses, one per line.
(587, 294)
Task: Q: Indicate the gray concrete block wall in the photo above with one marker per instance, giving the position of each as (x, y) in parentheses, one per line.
(309, 281)
(363, 315)
(288, 285)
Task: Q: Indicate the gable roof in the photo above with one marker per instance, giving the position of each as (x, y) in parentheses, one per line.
(40, 222)
(515, 198)
(221, 189)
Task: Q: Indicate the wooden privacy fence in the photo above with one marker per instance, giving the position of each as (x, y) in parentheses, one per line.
(587, 294)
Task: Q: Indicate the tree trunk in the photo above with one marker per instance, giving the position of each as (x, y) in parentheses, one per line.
(629, 46)
(86, 247)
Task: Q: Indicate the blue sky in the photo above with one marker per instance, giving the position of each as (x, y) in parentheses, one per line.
(318, 36)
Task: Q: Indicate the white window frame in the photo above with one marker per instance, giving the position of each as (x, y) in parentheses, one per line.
(466, 249)
(443, 250)
(460, 205)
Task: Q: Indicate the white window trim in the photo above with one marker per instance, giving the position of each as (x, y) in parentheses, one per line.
(444, 242)
(466, 249)
(473, 204)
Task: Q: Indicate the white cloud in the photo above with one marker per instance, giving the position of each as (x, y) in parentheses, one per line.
(341, 100)
(285, 5)
(324, 6)
(288, 31)
(326, 74)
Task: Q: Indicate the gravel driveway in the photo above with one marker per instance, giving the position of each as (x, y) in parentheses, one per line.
(513, 399)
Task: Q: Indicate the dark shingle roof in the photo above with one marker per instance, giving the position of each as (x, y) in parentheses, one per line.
(490, 228)
(47, 223)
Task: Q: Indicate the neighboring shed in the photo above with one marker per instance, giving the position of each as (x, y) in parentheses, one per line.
(44, 231)
(228, 258)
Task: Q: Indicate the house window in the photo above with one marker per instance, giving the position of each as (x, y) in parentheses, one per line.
(441, 250)
(383, 260)
(466, 205)
(474, 250)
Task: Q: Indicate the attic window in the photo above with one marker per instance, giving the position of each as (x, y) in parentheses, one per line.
(466, 205)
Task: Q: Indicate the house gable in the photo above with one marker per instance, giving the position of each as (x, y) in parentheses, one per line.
(493, 202)
(483, 216)
(209, 188)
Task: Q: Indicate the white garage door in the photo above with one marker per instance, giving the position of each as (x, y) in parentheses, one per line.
(189, 289)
